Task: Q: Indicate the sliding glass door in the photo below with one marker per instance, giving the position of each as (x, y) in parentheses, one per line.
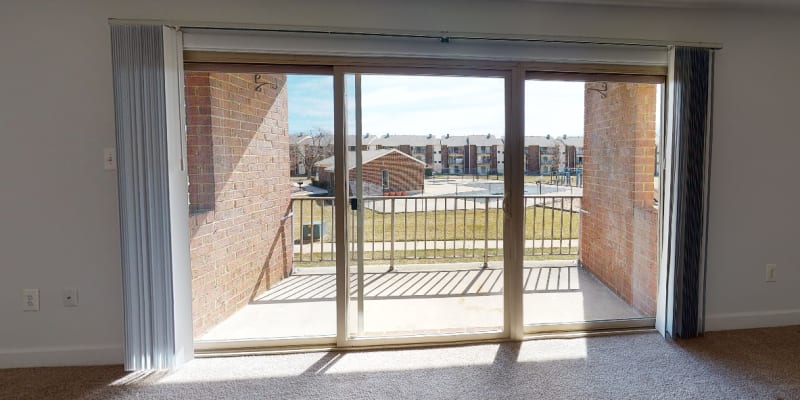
(425, 166)
(386, 205)
(591, 201)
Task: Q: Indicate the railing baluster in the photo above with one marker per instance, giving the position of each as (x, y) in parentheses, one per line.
(474, 220)
(455, 227)
(311, 251)
(544, 227)
(391, 252)
(416, 226)
(486, 235)
(321, 231)
(444, 226)
(571, 205)
(552, 223)
(405, 227)
(464, 236)
(383, 228)
(497, 215)
(302, 241)
(561, 228)
(435, 225)
(332, 256)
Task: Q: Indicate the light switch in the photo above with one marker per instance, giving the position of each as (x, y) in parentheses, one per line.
(109, 159)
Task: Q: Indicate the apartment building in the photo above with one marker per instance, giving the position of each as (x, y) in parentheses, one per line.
(425, 148)
(547, 154)
(449, 154)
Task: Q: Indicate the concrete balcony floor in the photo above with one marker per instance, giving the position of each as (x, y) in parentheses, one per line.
(423, 299)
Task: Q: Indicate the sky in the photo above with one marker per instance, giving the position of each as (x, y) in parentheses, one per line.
(419, 105)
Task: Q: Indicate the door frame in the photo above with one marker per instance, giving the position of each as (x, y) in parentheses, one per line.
(515, 75)
(510, 319)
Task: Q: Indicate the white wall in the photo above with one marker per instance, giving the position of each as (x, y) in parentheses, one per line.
(59, 207)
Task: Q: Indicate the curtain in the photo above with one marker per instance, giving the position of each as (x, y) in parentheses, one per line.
(693, 77)
(142, 89)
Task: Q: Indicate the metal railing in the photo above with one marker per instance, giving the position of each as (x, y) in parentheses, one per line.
(436, 227)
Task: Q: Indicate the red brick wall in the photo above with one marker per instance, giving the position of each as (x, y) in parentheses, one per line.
(619, 235)
(429, 155)
(238, 160)
(405, 174)
(532, 160)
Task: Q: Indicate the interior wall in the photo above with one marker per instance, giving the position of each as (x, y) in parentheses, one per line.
(59, 207)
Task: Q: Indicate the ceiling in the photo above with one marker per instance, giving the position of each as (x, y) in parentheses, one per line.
(717, 4)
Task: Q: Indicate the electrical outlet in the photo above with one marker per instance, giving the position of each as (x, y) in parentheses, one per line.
(70, 297)
(770, 271)
(30, 300)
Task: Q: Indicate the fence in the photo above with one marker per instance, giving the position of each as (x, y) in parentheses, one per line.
(436, 227)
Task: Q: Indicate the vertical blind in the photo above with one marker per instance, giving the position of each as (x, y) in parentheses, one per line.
(693, 75)
(141, 136)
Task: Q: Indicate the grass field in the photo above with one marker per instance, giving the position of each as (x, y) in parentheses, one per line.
(540, 223)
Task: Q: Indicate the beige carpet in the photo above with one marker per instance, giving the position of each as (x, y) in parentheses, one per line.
(751, 364)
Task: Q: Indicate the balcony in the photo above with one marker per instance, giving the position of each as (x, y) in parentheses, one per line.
(443, 254)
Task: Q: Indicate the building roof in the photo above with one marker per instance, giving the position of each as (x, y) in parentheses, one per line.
(452, 140)
(366, 139)
(541, 141)
(576, 141)
(325, 139)
(485, 140)
(389, 140)
(366, 156)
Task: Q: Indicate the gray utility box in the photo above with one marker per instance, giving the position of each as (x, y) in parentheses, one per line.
(314, 230)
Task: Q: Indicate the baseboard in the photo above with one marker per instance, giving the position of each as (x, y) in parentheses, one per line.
(756, 319)
(61, 356)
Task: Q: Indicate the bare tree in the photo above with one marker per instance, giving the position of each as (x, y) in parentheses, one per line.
(555, 159)
(315, 146)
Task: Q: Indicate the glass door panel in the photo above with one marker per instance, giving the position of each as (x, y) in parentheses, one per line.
(591, 225)
(426, 180)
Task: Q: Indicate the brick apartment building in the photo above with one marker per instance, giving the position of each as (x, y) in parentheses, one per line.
(385, 171)
(458, 154)
(548, 154)
(425, 148)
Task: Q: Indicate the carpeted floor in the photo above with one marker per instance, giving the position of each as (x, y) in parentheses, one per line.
(749, 364)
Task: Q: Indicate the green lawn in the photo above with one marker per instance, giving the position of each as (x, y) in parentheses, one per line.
(541, 223)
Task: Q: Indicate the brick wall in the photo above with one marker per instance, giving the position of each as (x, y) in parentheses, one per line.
(238, 160)
(445, 158)
(405, 174)
(570, 156)
(429, 155)
(472, 159)
(532, 160)
(619, 235)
